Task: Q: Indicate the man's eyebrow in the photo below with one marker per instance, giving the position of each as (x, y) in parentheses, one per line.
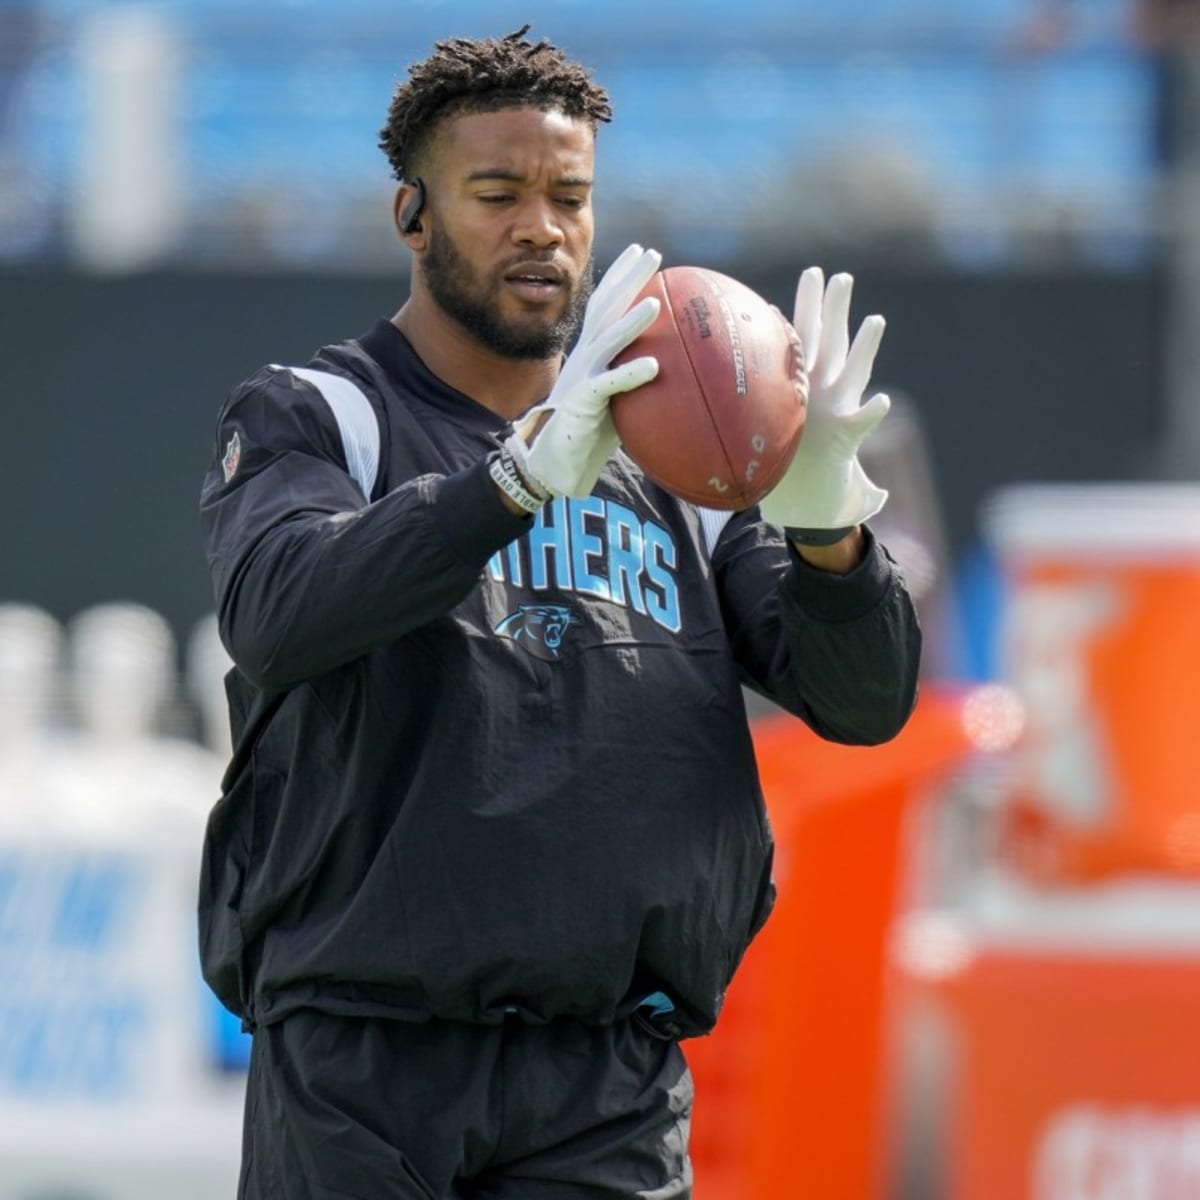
(506, 175)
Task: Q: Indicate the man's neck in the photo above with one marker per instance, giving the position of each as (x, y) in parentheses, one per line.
(507, 386)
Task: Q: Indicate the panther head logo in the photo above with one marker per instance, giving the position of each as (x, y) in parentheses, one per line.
(538, 627)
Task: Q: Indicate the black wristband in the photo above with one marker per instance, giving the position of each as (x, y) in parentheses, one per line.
(817, 537)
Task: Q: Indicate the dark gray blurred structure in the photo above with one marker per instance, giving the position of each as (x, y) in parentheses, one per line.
(1169, 32)
(111, 388)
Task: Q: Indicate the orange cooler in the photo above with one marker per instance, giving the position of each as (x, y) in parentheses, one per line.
(1068, 1063)
(1102, 641)
(787, 1087)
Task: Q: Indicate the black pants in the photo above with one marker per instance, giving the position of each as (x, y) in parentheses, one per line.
(344, 1108)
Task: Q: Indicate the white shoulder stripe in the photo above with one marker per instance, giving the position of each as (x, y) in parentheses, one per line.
(356, 422)
(712, 521)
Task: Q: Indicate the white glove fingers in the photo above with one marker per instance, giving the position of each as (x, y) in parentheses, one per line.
(628, 329)
(620, 286)
(856, 373)
(807, 314)
(567, 453)
(619, 268)
(601, 300)
(835, 326)
(862, 422)
(639, 273)
(627, 376)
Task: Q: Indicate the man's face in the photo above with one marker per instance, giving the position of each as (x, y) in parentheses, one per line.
(510, 227)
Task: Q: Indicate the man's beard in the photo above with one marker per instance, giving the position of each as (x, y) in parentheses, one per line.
(460, 294)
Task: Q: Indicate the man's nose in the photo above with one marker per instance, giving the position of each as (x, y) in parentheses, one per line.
(538, 223)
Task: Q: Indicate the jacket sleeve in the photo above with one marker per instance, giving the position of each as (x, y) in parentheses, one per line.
(308, 575)
(839, 651)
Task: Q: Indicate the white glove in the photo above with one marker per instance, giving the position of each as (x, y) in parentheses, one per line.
(562, 444)
(825, 487)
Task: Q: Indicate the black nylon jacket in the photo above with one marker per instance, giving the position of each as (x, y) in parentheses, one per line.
(487, 763)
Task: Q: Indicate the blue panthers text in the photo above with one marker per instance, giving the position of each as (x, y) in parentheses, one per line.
(598, 548)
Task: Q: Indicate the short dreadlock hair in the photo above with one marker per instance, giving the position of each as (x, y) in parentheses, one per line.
(466, 75)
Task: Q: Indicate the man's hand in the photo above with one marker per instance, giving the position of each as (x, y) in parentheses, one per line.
(825, 492)
(562, 444)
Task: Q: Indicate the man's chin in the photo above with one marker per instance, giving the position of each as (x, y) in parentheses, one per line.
(530, 335)
(531, 349)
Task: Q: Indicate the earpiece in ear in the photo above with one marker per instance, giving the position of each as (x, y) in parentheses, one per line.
(411, 213)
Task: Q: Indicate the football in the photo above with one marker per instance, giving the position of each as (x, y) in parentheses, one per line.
(720, 422)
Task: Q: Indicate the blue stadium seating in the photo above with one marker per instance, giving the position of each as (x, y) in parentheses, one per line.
(295, 90)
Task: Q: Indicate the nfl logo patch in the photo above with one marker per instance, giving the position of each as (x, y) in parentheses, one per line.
(233, 456)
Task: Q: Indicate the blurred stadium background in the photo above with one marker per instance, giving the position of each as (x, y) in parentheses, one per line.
(982, 977)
